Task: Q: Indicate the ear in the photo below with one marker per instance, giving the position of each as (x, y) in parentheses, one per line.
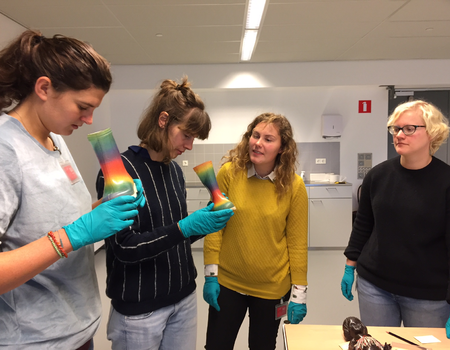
(162, 120)
(42, 87)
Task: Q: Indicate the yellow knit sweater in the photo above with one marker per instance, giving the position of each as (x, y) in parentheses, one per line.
(263, 249)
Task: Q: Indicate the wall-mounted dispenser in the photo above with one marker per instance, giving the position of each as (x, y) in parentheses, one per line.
(331, 126)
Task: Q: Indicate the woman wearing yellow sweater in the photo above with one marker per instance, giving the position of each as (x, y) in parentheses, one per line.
(253, 262)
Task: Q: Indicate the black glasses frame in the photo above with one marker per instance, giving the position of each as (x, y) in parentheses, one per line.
(394, 130)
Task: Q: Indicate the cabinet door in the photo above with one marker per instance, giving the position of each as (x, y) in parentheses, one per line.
(338, 191)
(330, 222)
(197, 193)
(196, 204)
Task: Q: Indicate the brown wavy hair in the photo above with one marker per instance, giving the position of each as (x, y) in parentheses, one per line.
(183, 106)
(285, 162)
(69, 63)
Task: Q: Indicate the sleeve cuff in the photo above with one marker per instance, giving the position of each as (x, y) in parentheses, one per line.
(211, 270)
(298, 294)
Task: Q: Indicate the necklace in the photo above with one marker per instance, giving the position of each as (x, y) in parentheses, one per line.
(55, 148)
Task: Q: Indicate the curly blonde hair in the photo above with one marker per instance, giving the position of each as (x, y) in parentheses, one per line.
(285, 162)
(436, 124)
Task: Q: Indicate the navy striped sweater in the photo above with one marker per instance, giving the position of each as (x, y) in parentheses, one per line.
(150, 264)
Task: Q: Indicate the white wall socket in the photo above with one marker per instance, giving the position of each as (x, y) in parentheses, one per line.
(185, 163)
(321, 161)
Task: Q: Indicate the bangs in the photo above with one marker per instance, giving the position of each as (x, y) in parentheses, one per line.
(197, 124)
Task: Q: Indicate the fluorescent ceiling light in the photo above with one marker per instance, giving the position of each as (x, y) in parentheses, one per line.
(254, 13)
(248, 44)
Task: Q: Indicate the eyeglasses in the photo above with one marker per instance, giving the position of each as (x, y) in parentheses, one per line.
(407, 129)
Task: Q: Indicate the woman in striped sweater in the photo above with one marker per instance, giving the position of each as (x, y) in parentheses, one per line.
(151, 272)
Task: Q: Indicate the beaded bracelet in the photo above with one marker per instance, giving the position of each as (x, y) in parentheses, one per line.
(59, 247)
(56, 248)
(60, 240)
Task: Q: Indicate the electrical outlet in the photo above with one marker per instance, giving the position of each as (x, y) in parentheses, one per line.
(185, 163)
(321, 161)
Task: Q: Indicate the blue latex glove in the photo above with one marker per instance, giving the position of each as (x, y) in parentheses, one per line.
(211, 290)
(103, 221)
(140, 199)
(296, 312)
(204, 221)
(447, 328)
(347, 282)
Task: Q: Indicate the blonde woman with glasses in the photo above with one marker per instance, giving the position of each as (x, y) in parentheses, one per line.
(400, 242)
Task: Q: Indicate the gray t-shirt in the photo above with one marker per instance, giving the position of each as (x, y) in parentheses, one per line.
(60, 307)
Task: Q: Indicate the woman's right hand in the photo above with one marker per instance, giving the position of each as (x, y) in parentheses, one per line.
(347, 282)
(105, 220)
(211, 291)
(204, 221)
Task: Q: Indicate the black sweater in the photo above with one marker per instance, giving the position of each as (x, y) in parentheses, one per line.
(401, 235)
(150, 266)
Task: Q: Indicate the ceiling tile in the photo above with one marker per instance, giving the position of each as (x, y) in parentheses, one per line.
(190, 33)
(70, 15)
(210, 31)
(179, 15)
(424, 10)
(329, 13)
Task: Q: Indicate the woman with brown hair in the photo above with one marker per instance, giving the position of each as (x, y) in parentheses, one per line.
(262, 252)
(49, 295)
(151, 272)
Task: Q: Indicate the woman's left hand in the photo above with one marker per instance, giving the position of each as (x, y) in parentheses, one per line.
(296, 312)
(140, 198)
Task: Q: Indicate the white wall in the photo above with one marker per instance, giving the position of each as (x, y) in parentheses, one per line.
(231, 110)
(301, 91)
(8, 30)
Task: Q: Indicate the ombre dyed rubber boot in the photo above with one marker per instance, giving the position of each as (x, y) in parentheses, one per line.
(117, 180)
(205, 172)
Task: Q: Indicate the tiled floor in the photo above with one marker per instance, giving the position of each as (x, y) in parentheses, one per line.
(325, 304)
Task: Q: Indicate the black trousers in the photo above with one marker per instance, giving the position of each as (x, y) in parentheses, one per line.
(223, 325)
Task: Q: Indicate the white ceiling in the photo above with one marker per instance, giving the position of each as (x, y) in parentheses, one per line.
(210, 31)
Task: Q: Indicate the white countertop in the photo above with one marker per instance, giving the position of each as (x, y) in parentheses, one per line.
(307, 184)
(312, 183)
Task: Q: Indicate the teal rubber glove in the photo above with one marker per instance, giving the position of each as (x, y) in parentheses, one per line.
(140, 199)
(211, 290)
(347, 282)
(103, 221)
(204, 221)
(447, 328)
(296, 312)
